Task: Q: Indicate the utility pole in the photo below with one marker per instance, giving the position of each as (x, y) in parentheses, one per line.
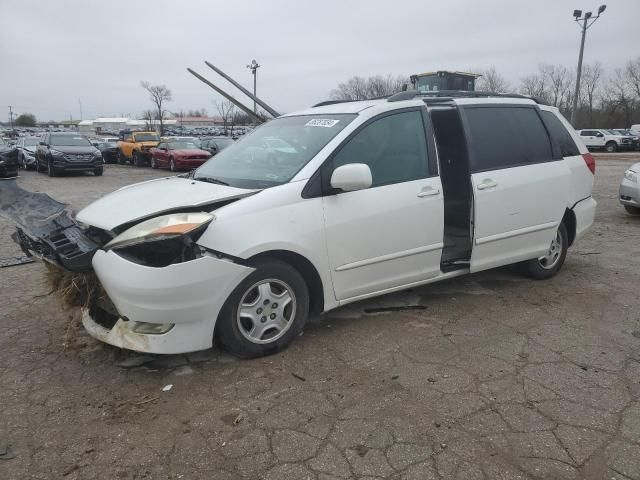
(253, 66)
(11, 118)
(584, 23)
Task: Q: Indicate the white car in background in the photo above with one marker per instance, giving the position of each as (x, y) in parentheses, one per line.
(608, 140)
(368, 198)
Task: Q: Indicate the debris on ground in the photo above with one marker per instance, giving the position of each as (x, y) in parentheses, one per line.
(17, 260)
(166, 388)
(238, 419)
(299, 377)
(6, 452)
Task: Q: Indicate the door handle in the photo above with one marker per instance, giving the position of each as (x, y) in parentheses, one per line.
(428, 192)
(486, 184)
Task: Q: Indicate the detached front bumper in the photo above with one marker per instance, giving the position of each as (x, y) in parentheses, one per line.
(629, 193)
(188, 295)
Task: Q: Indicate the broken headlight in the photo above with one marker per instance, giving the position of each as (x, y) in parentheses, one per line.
(163, 240)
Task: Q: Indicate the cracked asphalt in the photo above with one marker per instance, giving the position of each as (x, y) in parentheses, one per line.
(495, 377)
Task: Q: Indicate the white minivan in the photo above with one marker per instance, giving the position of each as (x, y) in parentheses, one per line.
(331, 205)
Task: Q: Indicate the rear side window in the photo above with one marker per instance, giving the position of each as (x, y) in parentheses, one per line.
(560, 135)
(504, 137)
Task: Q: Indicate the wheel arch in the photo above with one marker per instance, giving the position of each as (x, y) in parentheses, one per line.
(569, 220)
(305, 268)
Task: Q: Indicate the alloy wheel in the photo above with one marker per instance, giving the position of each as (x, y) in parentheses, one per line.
(266, 311)
(554, 253)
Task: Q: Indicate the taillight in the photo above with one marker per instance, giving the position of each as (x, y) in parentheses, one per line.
(590, 161)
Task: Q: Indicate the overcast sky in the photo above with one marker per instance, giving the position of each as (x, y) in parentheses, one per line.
(55, 53)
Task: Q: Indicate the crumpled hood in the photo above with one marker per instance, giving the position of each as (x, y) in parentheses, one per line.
(147, 199)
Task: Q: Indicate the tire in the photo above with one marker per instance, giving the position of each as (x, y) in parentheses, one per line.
(172, 165)
(38, 166)
(153, 163)
(278, 326)
(547, 266)
(121, 158)
(632, 210)
(611, 147)
(51, 170)
(135, 160)
(98, 171)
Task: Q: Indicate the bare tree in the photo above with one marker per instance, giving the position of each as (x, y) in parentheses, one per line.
(159, 95)
(560, 82)
(534, 85)
(492, 81)
(147, 116)
(353, 89)
(632, 76)
(360, 88)
(589, 87)
(226, 110)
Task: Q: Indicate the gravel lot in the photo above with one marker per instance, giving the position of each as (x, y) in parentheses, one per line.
(498, 377)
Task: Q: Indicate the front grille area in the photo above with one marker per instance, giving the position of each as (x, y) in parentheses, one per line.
(78, 157)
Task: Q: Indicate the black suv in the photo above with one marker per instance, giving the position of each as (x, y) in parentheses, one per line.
(67, 152)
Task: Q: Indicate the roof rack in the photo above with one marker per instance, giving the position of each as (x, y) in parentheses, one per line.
(333, 102)
(444, 95)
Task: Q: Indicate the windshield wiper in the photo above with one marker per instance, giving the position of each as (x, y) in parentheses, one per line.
(210, 180)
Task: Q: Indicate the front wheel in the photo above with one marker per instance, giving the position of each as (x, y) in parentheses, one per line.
(551, 262)
(135, 159)
(153, 163)
(265, 312)
(51, 170)
(172, 165)
(632, 210)
(98, 171)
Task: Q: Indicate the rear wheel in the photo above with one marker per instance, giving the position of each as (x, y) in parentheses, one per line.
(611, 147)
(551, 262)
(265, 312)
(172, 165)
(153, 163)
(632, 210)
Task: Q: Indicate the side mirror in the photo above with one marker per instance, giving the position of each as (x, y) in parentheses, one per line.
(599, 134)
(351, 177)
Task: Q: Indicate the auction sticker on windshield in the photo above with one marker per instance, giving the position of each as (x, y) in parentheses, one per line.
(321, 122)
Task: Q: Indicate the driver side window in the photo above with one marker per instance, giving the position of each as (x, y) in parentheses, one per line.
(394, 147)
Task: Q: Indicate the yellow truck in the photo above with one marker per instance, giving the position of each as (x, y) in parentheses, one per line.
(134, 147)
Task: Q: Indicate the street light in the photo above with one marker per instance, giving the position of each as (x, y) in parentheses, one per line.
(253, 66)
(584, 22)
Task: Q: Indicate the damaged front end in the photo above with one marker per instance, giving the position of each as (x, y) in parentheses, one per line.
(45, 229)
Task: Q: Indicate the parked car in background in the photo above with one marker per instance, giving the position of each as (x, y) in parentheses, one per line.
(630, 189)
(216, 144)
(109, 150)
(58, 153)
(635, 137)
(194, 140)
(178, 155)
(135, 147)
(27, 152)
(607, 140)
(8, 160)
(348, 201)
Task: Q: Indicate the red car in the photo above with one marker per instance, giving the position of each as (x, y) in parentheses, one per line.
(178, 155)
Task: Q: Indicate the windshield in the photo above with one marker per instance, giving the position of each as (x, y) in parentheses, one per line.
(31, 141)
(182, 145)
(70, 140)
(109, 145)
(273, 153)
(146, 137)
